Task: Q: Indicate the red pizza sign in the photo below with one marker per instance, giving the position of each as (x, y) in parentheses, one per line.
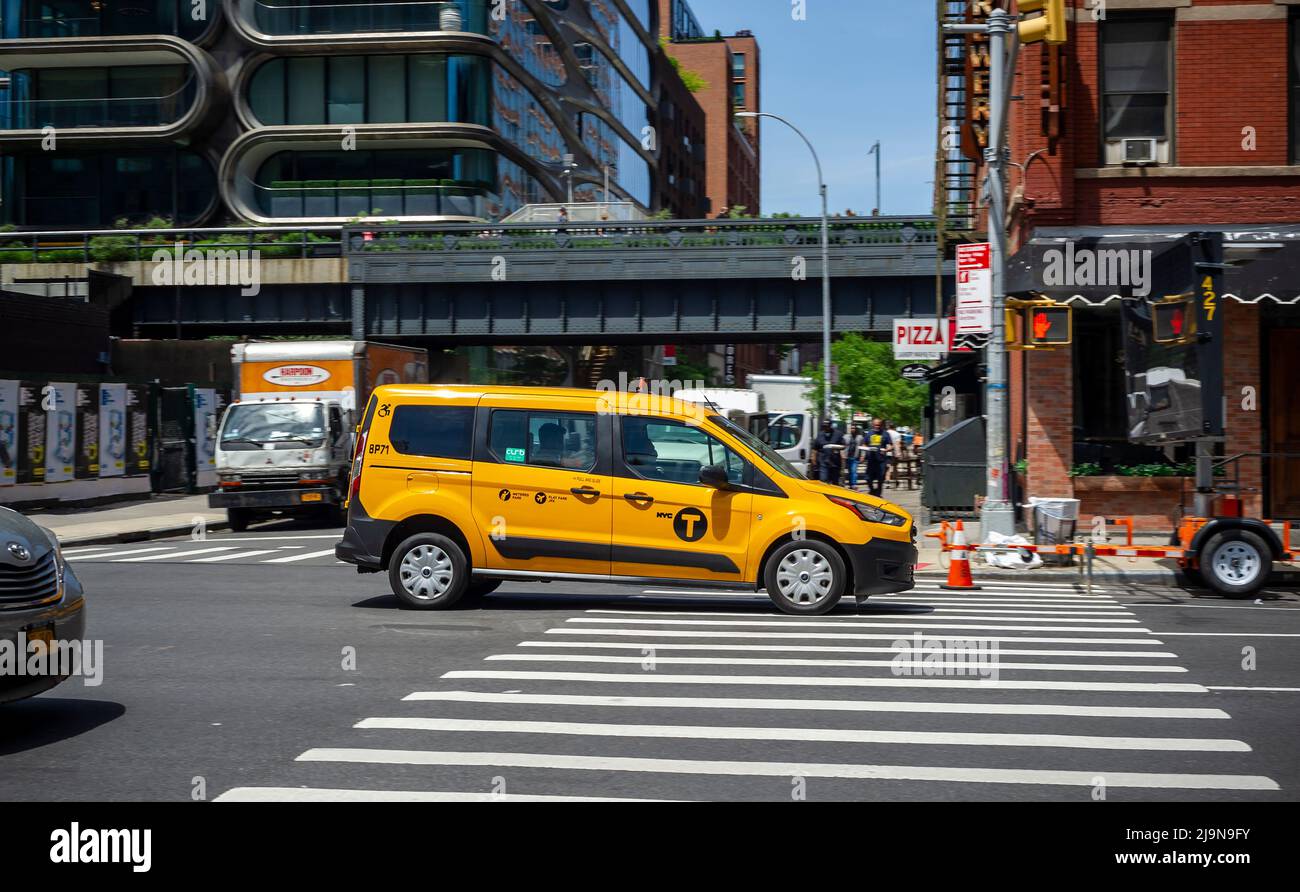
(925, 338)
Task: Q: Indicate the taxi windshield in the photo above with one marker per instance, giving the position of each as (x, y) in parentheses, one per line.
(770, 455)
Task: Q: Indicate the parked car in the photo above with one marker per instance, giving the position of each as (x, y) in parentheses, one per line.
(40, 599)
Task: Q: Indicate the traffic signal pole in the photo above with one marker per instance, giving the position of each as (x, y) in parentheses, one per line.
(996, 513)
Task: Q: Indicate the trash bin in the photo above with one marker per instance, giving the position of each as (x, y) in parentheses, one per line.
(1054, 524)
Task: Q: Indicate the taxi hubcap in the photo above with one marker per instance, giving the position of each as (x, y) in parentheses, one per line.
(426, 572)
(804, 576)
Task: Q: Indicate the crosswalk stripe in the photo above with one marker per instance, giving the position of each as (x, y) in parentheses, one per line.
(1014, 585)
(232, 557)
(817, 735)
(86, 549)
(804, 704)
(118, 554)
(821, 648)
(942, 624)
(1038, 777)
(1055, 603)
(976, 666)
(175, 554)
(308, 794)
(831, 681)
(831, 636)
(982, 612)
(858, 619)
(300, 557)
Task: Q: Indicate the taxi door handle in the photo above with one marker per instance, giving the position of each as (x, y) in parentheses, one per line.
(585, 491)
(639, 497)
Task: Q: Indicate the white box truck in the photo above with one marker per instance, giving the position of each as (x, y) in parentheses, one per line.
(285, 442)
(789, 422)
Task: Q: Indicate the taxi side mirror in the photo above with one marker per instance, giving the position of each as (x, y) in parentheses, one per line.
(715, 476)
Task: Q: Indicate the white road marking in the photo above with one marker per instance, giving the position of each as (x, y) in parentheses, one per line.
(990, 665)
(795, 769)
(86, 549)
(176, 554)
(1231, 634)
(117, 554)
(910, 706)
(1249, 688)
(820, 648)
(307, 794)
(809, 624)
(832, 681)
(857, 619)
(831, 636)
(232, 557)
(237, 539)
(300, 557)
(1028, 603)
(1282, 609)
(814, 735)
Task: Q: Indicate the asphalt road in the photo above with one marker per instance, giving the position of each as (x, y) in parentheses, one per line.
(257, 667)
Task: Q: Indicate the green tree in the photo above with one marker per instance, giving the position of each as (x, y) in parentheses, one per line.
(870, 381)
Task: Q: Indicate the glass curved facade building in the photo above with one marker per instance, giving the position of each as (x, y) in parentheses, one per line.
(323, 111)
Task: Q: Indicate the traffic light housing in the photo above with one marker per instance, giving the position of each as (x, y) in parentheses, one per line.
(1048, 27)
(1173, 321)
(1049, 325)
(1038, 324)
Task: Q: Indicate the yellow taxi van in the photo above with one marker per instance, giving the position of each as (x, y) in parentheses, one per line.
(455, 489)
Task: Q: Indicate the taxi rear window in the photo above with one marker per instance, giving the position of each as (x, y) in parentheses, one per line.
(433, 431)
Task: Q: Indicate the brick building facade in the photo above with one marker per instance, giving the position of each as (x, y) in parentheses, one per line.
(1215, 85)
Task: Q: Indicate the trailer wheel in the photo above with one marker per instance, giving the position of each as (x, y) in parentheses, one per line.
(1236, 563)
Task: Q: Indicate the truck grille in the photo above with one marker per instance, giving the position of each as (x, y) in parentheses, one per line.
(21, 586)
(269, 480)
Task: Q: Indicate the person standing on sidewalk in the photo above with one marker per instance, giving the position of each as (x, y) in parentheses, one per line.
(828, 448)
(852, 452)
(877, 446)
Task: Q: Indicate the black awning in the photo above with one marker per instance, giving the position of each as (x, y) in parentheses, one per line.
(1097, 264)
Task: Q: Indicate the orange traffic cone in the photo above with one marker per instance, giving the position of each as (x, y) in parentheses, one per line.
(959, 578)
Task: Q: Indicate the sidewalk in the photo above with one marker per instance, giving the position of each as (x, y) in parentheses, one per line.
(131, 522)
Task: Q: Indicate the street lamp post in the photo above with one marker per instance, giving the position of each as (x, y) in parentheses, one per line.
(875, 150)
(826, 261)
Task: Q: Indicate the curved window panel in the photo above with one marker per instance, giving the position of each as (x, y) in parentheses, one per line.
(628, 169)
(424, 182)
(282, 18)
(106, 18)
(521, 120)
(622, 39)
(421, 88)
(520, 35)
(613, 90)
(126, 96)
(60, 189)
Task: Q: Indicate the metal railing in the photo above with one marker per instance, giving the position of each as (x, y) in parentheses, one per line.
(654, 235)
(125, 245)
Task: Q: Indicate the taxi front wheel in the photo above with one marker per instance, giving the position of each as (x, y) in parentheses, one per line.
(805, 578)
(428, 572)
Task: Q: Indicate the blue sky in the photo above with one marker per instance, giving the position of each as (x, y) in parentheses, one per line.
(853, 72)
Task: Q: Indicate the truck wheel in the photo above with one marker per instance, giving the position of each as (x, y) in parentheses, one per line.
(1236, 563)
(428, 572)
(238, 519)
(805, 577)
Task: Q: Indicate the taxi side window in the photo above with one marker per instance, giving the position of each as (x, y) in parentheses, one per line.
(543, 439)
(674, 452)
(433, 431)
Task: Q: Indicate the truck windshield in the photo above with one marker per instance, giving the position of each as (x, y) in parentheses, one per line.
(770, 455)
(251, 425)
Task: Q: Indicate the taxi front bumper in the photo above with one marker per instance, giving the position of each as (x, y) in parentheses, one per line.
(882, 567)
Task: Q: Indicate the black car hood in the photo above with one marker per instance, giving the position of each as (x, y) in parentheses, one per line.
(19, 536)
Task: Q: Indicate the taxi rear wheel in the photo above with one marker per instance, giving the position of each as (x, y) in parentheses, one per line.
(428, 572)
(805, 578)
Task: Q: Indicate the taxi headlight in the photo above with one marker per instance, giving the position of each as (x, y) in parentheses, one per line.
(870, 513)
